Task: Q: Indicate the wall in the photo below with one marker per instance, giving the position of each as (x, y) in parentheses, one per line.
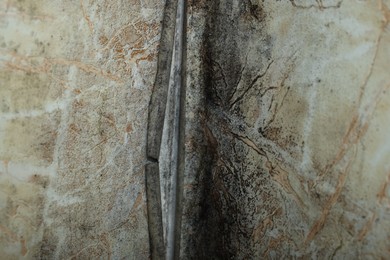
(75, 83)
(286, 128)
(287, 136)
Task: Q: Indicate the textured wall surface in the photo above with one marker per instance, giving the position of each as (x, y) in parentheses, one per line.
(287, 134)
(75, 83)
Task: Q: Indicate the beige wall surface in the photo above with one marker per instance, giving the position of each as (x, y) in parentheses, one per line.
(287, 128)
(75, 83)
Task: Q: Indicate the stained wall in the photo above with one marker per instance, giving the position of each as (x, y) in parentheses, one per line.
(288, 144)
(286, 128)
(75, 83)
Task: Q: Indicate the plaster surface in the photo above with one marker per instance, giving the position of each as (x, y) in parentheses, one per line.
(286, 140)
(287, 131)
(75, 83)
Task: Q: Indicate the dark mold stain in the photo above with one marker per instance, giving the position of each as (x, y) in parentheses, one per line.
(224, 227)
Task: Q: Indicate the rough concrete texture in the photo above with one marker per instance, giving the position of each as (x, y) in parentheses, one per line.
(286, 134)
(75, 83)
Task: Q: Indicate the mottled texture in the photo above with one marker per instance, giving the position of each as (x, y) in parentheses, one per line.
(287, 130)
(75, 83)
(286, 140)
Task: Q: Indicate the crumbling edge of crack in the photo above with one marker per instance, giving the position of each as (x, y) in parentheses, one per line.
(173, 127)
(181, 138)
(170, 75)
(154, 133)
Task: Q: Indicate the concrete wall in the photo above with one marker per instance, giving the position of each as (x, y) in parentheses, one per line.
(75, 83)
(287, 130)
(287, 134)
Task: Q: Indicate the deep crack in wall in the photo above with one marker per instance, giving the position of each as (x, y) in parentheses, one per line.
(285, 141)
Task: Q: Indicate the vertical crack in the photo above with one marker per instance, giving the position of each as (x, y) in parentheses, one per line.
(165, 137)
(156, 115)
(171, 132)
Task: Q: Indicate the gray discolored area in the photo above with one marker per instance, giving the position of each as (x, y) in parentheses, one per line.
(232, 64)
(273, 155)
(284, 137)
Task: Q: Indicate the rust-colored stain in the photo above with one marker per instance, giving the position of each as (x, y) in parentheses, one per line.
(267, 183)
(23, 250)
(320, 222)
(367, 227)
(45, 65)
(10, 235)
(129, 128)
(137, 202)
(382, 194)
(86, 17)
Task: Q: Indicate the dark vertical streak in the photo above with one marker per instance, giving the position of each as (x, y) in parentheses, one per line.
(175, 83)
(160, 89)
(154, 132)
(154, 210)
(181, 148)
